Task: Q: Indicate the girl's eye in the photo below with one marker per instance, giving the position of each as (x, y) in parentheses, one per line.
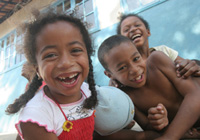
(76, 50)
(50, 55)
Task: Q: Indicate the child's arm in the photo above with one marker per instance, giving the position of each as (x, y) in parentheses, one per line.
(126, 134)
(32, 131)
(158, 117)
(188, 112)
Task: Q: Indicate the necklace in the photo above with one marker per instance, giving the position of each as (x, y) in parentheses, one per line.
(67, 125)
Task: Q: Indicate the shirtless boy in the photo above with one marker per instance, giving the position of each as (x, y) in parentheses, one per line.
(152, 81)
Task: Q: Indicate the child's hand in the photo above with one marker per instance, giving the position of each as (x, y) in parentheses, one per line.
(158, 117)
(191, 134)
(28, 71)
(186, 68)
(115, 83)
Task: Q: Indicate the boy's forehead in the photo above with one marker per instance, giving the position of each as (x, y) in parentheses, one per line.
(130, 19)
(110, 52)
(117, 52)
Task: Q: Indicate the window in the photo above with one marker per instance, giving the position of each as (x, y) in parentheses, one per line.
(8, 57)
(84, 9)
(137, 6)
(1, 54)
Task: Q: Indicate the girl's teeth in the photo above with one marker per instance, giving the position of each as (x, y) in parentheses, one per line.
(72, 75)
(62, 78)
(138, 78)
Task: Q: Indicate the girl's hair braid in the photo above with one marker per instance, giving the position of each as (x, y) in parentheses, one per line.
(92, 100)
(24, 98)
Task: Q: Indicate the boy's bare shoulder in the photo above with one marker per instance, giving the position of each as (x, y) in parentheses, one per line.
(157, 57)
(159, 60)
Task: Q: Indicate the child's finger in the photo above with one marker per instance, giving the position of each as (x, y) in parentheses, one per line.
(160, 107)
(153, 110)
(113, 83)
(197, 73)
(158, 124)
(155, 116)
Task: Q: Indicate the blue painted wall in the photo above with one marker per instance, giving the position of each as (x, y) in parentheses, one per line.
(12, 85)
(175, 23)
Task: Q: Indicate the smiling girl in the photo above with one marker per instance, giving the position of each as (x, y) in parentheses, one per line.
(59, 47)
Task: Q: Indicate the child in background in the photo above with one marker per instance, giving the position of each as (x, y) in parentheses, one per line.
(28, 71)
(137, 29)
(152, 81)
(59, 47)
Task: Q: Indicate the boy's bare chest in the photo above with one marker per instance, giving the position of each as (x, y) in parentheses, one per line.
(158, 89)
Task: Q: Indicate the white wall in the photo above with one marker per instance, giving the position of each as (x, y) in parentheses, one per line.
(108, 12)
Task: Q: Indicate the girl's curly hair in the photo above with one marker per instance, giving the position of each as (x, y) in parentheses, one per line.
(33, 28)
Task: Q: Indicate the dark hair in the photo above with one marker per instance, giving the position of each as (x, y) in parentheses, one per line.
(123, 17)
(107, 45)
(29, 47)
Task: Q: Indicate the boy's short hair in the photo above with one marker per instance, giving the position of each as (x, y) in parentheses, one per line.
(107, 45)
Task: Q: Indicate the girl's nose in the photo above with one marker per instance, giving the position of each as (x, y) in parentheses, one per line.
(65, 61)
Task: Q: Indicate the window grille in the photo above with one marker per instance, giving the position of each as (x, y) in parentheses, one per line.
(136, 6)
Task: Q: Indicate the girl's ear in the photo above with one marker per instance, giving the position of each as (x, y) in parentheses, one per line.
(37, 72)
(108, 74)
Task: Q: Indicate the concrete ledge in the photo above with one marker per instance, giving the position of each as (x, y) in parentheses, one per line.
(8, 136)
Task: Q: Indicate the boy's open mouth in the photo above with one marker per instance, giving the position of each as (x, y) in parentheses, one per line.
(136, 36)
